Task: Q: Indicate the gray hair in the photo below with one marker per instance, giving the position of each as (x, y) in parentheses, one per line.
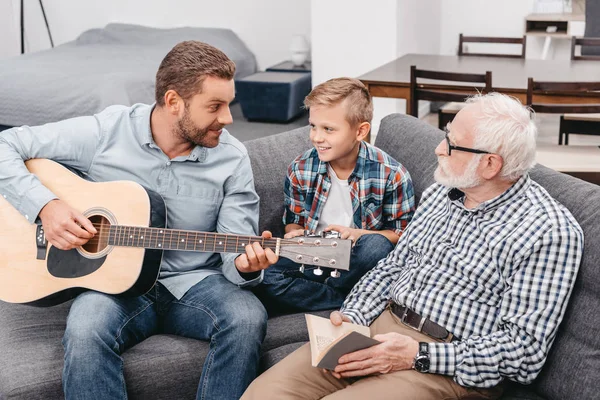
(507, 128)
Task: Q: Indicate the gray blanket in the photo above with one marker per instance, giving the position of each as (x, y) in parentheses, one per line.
(113, 65)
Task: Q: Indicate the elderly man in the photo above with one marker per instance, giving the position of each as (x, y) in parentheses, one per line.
(476, 288)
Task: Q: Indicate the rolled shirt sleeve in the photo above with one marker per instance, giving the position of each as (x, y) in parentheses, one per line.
(294, 209)
(72, 142)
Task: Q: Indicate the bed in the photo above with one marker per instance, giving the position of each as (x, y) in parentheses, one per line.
(112, 65)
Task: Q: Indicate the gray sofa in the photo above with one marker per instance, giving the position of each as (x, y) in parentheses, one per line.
(168, 367)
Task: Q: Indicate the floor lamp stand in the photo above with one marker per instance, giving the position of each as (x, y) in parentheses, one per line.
(23, 26)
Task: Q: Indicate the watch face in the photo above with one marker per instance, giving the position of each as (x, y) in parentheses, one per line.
(422, 364)
(422, 359)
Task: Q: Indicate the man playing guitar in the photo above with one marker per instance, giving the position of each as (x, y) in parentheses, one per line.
(179, 149)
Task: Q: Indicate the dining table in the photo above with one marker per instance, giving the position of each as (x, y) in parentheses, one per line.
(509, 76)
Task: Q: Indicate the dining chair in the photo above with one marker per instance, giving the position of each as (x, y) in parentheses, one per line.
(461, 84)
(447, 111)
(586, 124)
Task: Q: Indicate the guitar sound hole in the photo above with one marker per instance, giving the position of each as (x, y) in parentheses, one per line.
(100, 240)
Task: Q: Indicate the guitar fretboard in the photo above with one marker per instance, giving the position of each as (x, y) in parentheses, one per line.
(174, 239)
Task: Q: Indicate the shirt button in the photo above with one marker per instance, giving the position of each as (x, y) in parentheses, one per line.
(168, 163)
(26, 216)
(465, 213)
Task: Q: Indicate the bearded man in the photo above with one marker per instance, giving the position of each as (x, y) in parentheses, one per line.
(178, 148)
(476, 287)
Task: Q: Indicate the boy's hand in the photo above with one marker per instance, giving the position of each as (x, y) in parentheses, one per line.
(345, 232)
(294, 233)
(256, 258)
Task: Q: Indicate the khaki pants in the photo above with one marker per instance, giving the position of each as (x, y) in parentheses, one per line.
(295, 378)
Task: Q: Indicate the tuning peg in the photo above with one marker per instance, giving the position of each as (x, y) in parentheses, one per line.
(318, 271)
(302, 268)
(335, 273)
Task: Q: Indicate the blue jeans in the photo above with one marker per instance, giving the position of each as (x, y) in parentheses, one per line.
(101, 327)
(286, 289)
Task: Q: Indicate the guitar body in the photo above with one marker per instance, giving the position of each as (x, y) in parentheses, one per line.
(46, 276)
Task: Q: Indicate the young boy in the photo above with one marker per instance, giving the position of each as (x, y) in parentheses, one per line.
(342, 184)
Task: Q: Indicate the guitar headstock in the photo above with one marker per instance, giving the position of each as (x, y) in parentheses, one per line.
(316, 250)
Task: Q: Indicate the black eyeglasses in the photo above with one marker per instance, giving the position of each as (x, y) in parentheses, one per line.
(451, 147)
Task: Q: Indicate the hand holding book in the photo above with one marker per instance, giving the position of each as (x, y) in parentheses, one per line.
(347, 350)
(329, 342)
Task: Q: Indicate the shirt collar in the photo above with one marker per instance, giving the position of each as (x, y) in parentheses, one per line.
(146, 130)
(360, 162)
(197, 154)
(516, 190)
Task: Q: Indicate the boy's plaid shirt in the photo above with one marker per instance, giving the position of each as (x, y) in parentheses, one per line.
(381, 191)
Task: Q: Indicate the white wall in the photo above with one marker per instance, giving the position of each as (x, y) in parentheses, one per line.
(266, 26)
(481, 18)
(419, 26)
(493, 18)
(352, 37)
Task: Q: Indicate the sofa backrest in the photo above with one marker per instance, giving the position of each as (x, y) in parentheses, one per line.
(573, 365)
(270, 157)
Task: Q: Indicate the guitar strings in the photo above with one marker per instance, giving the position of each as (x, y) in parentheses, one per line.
(273, 242)
(123, 238)
(118, 238)
(209, 236)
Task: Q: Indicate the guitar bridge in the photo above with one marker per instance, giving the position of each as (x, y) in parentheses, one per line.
(41, 242)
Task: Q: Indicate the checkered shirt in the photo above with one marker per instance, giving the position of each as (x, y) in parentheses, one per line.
(497, 276)
(381, 191)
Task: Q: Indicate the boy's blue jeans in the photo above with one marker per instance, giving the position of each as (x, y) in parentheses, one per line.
(101, 327)
(286, 289)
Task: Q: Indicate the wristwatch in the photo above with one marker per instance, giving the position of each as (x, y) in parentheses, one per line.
(421, 362)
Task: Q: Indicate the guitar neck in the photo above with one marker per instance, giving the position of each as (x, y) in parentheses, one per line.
(175, 239)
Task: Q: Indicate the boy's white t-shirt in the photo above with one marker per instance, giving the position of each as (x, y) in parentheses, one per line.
(338, 206)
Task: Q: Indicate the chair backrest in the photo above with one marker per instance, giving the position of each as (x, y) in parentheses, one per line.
(449, 92)
(545, 90)
(488, 39)
(585, 43)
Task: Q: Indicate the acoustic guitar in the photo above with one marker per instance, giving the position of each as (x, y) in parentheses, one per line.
(124, 257)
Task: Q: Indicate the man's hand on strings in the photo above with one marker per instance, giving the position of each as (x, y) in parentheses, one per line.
(256, 257)
(64, 227)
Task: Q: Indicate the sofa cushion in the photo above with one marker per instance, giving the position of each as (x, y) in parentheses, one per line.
(162, 366)
(31, 357)
(272, 357)
(290, 328)
(573, 364)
